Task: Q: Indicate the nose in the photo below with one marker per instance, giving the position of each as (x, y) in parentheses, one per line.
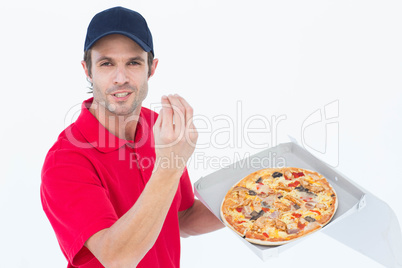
(120, 77)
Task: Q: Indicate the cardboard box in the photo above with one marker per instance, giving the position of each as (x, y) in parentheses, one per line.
(352, 198)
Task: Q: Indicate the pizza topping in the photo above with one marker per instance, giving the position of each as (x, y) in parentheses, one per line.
(311, 187)
(297, 174)
(265, 209)
(263, 189)
(268, 201)
(262, 195)
(312, 226)
(294, 184)
(304, 190)
(251, 192)
(293, 231)
(301, 225)
(297, 215)
(296, 206)
(280, 225)
(239, 188)
(310, 204)
(277, 175)
(294, 200)
(264, 204)
(309, 219)
(257, 204)
(261, 223)
(306, 196)
(288, 175)
(316, 211)
(301, 189)
(255, 215)
(259, 180)
(282, 207)
(313, 176)
(246, 211)
(321, 206)
(282, 187)
(274, 215)
(240, 193)
(317, 189)
(291, 227)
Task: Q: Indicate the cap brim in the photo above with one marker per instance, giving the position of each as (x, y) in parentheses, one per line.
(144, 46)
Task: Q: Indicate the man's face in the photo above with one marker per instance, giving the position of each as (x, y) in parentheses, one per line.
(119, 74)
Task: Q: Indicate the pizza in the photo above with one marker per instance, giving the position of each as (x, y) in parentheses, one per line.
(274, 206)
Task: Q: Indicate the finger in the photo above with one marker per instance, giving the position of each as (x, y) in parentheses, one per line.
(178, 113)
(158, 122)
(188, 110)
(167, 113)
(191, 132)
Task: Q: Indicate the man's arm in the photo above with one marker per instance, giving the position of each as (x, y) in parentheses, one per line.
(198, 219)
(126, 242)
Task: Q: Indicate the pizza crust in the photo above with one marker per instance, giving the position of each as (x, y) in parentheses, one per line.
(230, 225)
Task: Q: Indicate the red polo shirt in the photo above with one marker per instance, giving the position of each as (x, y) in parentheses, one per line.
(90, 178)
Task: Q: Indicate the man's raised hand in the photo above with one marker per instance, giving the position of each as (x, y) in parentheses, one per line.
(175, 134)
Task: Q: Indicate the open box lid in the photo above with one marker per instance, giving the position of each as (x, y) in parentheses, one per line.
(362, 221)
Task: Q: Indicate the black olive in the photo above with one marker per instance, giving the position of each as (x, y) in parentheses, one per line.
(256, 215)
(301, 189)
(279, 197)
(251, 192)
(259, 180)
(277, 174)
(296, 206)
(309, 219)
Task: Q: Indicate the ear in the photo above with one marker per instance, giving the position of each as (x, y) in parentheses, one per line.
(84, 65)
(153, 67)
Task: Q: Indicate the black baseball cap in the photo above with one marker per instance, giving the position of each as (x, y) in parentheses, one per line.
(120, 20)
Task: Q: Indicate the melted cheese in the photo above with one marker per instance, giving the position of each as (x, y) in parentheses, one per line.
(272, 232)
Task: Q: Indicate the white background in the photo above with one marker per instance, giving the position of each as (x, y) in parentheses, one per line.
(275, 58)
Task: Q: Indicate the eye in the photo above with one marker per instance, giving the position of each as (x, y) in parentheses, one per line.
(106, 63)
(133, 63)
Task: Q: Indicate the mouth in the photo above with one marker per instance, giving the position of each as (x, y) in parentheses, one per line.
(121, 96)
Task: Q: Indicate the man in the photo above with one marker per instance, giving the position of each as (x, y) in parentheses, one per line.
(117, 193)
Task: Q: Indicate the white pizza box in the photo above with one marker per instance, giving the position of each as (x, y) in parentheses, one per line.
(380, 240)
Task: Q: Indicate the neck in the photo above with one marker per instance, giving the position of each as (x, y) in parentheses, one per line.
(122, 126)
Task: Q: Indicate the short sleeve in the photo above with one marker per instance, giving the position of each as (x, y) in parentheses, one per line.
(187, 194)
(75, 202)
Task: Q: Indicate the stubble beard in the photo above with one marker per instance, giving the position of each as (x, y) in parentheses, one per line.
(123, 108)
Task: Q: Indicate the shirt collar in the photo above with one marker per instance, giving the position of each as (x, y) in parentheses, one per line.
(97, 135)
